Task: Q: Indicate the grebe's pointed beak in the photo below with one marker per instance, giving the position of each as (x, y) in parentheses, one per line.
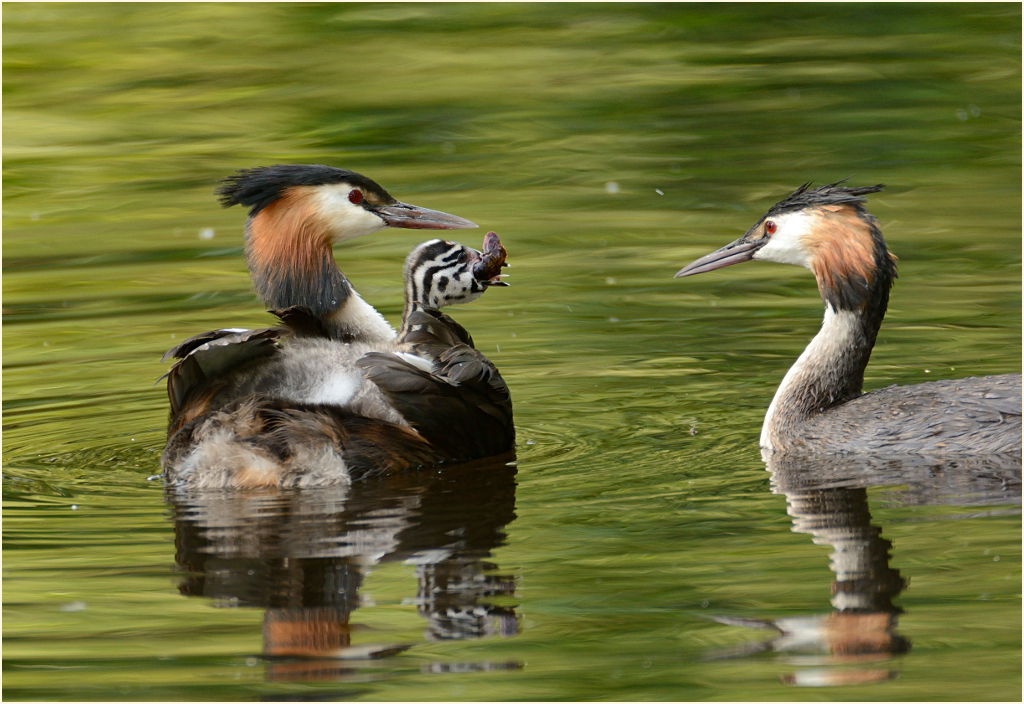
(742, 250)
(412, 217)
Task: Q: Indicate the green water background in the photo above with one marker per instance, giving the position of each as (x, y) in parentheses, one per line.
(119, 120)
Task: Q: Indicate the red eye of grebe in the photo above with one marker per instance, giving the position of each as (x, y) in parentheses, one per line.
(770, 227)
(355, 196)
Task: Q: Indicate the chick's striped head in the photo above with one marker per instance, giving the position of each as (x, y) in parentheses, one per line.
(439, 273)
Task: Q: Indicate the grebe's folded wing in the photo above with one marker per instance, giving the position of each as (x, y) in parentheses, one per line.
(435, 330)
(460, 403)
(214, 339)
(209, 355)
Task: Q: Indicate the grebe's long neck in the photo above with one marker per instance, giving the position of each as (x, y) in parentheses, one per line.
(291, 263)
(829, 372)
(406, 327)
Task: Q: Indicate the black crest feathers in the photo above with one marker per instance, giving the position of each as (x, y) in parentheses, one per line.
(259, 187)
(830, 194)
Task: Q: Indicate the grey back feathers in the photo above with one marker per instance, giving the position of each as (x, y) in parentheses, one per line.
(953, 416)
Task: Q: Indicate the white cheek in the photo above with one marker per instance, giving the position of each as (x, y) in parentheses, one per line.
(436, 297)
(363, 320)
(345, 219)
(787, 244)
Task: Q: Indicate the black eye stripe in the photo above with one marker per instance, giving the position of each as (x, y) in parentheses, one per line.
(432, 252)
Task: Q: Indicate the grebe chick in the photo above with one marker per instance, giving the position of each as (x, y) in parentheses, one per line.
(293, 406)
(439, 274)
(296, 212)
(819, 407)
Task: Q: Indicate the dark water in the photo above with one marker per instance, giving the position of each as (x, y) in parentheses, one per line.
(637, 548)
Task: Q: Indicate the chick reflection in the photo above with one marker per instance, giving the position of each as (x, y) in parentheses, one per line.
(302, 556)
(828, 500)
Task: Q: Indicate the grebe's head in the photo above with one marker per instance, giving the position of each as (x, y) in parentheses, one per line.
(336, 203)
(297, 211)
(439, 273)
(825, 229)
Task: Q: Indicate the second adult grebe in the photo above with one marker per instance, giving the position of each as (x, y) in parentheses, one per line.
(819, 407)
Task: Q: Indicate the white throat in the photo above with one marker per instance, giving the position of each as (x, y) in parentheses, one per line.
(361, 321)
(838, 334)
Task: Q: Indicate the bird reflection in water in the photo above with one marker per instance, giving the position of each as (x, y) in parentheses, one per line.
(827, 499)
(302, 556)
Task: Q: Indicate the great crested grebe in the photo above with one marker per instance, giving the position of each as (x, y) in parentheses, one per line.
(819, 407)
(296, 212)
(291, 406)
(326, 398)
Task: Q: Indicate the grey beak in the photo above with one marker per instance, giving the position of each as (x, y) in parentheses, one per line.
(732, 253)
(412, 217)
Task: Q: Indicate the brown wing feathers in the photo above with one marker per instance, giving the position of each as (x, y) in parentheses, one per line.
(429, 326)
(204, 357)
(297, 438)
(463, 407)
(208, 355)
(369, 446)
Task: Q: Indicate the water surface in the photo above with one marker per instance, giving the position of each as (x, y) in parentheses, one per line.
(638, 539)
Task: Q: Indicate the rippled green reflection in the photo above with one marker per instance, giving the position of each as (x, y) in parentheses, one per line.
(642, 509)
